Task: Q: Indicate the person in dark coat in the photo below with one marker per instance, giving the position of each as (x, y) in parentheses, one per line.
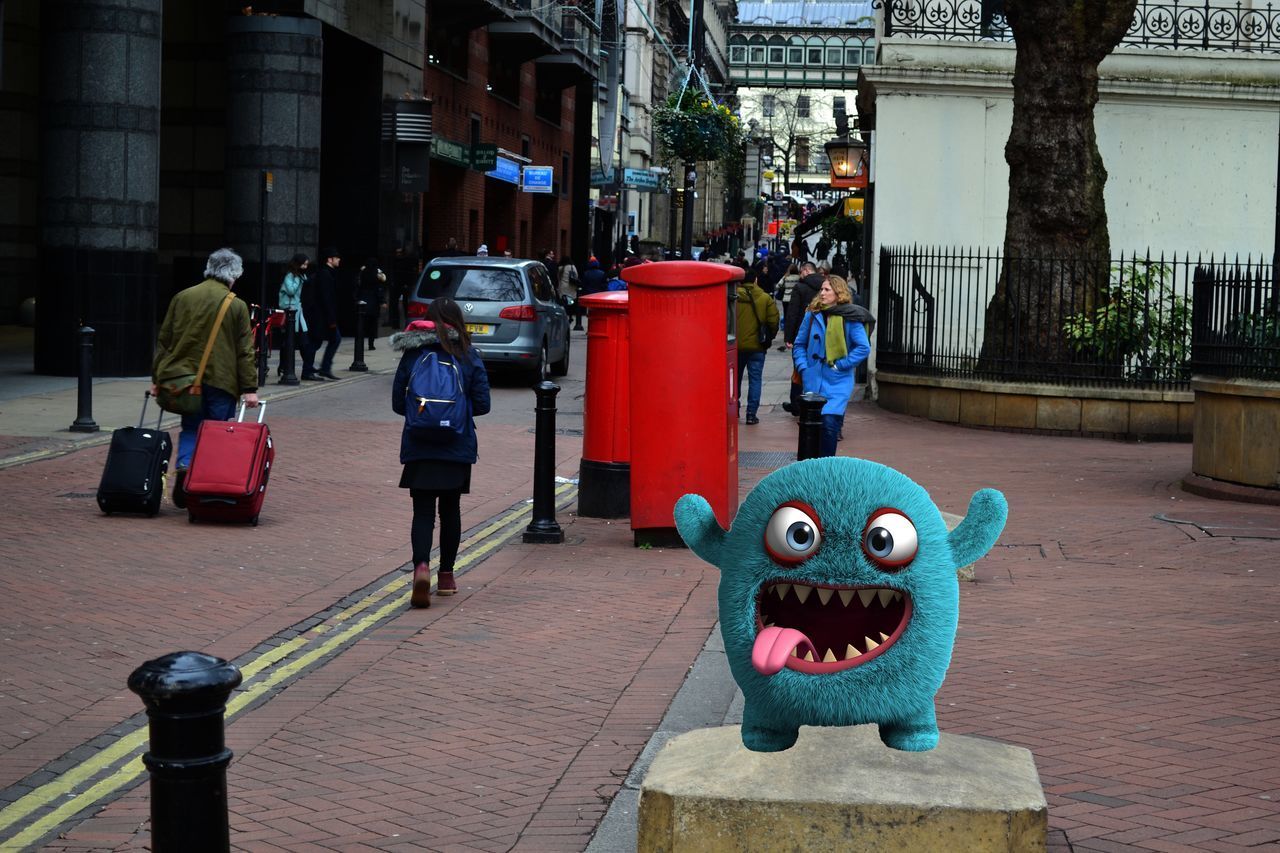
(372, 292)
(593, 279)
(801, 295)
(438, 471)
(320, 304)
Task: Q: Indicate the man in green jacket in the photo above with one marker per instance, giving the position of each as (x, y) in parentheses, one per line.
(230, 371)
(755, 310)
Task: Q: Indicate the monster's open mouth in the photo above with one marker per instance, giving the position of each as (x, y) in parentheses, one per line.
(819, 629)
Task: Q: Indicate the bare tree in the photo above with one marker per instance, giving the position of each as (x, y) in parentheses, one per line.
(786, 116)
(1057, 249)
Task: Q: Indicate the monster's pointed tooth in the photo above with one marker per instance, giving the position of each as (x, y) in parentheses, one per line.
(851, 652)
(793, 654)
(824, 594)
(866, 595)
(802, 592)
(808, 656)
(846, 595)
(897, 595)
(884, 638)
(871, 644)
(781, 589)
(886, 595)
(829, 657)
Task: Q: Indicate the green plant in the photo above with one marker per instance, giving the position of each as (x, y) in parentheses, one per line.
(1257, 337)
(1143, 326)
(691, 127)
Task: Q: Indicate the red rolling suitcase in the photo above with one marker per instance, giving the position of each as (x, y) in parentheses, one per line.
(229, 469)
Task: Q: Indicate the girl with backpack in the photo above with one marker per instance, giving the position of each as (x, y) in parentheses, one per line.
(440, 385)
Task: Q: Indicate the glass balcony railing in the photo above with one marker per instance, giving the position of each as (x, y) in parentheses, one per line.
(580, 33)
(545, 11)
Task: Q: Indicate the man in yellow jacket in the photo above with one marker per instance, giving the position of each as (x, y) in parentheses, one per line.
(230, 371)
(757, 324)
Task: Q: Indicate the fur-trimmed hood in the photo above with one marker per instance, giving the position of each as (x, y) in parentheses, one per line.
(418, 334)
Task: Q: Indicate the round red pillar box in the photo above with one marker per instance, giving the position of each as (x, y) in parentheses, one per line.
(684, 417)
(604, 477)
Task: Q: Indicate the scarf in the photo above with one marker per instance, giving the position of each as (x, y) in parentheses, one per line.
(836, 344)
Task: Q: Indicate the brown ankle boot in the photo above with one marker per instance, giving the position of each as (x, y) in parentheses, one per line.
(445, 584)
(421, 596)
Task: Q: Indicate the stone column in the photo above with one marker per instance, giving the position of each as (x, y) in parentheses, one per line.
(273, 124)
(100, 139)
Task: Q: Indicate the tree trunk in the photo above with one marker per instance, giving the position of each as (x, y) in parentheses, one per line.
(1057, 250)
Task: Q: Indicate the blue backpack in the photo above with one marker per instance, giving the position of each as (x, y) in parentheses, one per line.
(435, 404)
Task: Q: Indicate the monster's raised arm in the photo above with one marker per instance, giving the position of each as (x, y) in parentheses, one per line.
(981, 527)
(697, 525)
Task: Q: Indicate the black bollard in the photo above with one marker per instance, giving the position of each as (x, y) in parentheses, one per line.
(358, 363)
(84, 421)
(810, 445)
(288, 375)
(186, 697)
(544, 528)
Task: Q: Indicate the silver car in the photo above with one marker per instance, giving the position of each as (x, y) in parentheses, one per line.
(512, 311)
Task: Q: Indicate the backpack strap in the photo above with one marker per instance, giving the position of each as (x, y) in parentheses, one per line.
(213, 335)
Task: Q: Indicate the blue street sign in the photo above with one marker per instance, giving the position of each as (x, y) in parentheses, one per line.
(538, 179)
(506, 170)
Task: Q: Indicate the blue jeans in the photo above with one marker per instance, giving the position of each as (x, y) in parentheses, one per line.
(333, 339)
(752, 364)
(831, 426)
(217, 405)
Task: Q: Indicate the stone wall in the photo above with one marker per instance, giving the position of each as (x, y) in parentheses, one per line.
(1237, 431)
(1052, 409)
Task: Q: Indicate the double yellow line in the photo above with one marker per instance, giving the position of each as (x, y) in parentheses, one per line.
(284, 661)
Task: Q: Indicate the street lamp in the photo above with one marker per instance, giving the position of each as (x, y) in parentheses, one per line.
(848, 162)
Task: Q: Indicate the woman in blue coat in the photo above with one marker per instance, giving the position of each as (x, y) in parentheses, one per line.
(436, 469)
(830, 343)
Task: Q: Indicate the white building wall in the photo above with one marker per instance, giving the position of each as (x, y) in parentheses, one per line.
(1191, 162)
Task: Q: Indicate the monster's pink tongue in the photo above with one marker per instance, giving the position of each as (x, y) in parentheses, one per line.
(773, 647)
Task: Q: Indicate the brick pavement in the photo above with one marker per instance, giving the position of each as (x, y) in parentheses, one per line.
(1136, 658)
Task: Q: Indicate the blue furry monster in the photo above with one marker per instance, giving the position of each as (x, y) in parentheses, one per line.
(838, 597)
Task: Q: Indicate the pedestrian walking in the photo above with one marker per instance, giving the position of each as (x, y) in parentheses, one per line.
(206, 342)
(829, 345)
(569, 291)
(295, 281)
(320, 305)
(440, 387)
(593, 279)
(757, 317)
(371, 290)
(802, 293)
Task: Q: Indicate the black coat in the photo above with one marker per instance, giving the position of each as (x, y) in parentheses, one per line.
(320, 301)
(372, 297)
(801, 295)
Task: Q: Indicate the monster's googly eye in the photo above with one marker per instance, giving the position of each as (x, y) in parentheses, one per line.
(890, 539)
(793, 533)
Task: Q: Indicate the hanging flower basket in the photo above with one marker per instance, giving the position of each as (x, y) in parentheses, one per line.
(690, 128)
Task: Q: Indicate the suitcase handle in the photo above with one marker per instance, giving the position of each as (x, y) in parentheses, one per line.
(146, 398)
(262, 411)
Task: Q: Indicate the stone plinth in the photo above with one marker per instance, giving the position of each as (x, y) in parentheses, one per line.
(840, 789)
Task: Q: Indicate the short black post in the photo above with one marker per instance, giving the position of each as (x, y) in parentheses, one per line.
(84, 421)
(186, 697)
(544, 528)
(810, 445)
(358, 364)
(288, 376)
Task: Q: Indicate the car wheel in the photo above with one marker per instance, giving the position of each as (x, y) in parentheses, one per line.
(561, 367)
(540, 366)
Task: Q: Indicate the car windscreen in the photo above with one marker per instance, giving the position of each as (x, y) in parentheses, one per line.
(474, 284)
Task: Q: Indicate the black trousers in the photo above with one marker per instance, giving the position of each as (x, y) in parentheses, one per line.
(424, 522)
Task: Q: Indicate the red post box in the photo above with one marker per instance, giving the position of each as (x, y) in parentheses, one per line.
(684, 386)
(604, 476)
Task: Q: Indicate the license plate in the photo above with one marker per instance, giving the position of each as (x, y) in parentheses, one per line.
(479, 329)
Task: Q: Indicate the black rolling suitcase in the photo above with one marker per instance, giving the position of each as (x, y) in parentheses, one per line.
(133, 480)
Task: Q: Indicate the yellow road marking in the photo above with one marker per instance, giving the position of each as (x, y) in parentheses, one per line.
(68, 781)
